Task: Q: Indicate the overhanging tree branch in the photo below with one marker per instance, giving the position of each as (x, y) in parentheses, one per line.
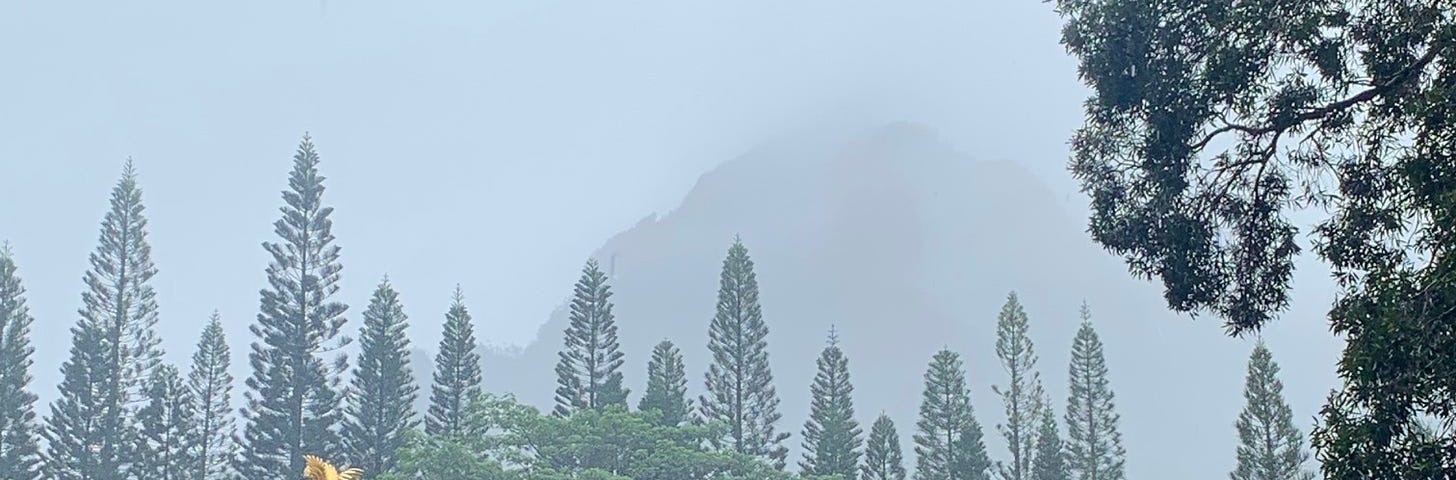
(1400, 78)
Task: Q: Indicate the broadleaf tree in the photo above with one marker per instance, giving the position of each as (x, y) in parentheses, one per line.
(1213, 127)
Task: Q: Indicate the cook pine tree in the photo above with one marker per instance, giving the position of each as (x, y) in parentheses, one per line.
(1094, 445)
(169, 441)
(134, 314)
(292, 402)
(211, 387)
(380, 408)
(667, 386)
(1022, 393)
(739, 382)
(832, 438)
(91, 430)
(457, 372)
(1050, 461)
(1270, 445)
(588, 370)
(948, 439)
(883, 459)
(19, 441)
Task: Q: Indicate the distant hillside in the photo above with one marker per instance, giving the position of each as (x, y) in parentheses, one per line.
(908, 246)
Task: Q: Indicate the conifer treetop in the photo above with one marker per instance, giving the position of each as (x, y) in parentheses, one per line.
(456, 378)
(883, 457)
(380, 406)
(19, 450)
(292, 405)
(1094, 443)
(1271, 447)
(739, 381)
(211, 387)
(832, 437)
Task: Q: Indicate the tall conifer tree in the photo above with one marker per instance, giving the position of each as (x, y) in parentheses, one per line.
(85, 431)
(589, 367)
(883, 460)
(19, 449)
(91, 430)
(667, 385)
(948, 442)
(739, 381)
(1023, 392)
(1094, 445)
(292, 402)
(1270, 445)
(382, 395)
(169, 443)
(832, 438)
(212, 386)
(133, 309)
(1050, 462)
(457, 372)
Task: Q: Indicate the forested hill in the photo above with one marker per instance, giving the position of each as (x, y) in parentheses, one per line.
(906, 246)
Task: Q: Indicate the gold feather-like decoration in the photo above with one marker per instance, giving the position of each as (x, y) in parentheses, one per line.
(316, 468)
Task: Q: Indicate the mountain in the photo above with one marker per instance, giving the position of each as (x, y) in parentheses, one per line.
(906, 245)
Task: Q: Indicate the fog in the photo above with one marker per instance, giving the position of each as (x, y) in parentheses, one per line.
(497, 145)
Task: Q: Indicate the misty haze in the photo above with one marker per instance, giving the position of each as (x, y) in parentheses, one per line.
(924, 240)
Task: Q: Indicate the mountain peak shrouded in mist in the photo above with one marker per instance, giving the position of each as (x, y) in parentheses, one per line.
(906, 246)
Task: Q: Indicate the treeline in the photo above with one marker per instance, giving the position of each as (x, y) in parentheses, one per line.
(124, 414)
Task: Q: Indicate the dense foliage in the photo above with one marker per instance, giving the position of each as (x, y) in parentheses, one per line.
(512, 441)
(1212, 123)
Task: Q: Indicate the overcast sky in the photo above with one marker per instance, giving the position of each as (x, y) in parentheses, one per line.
(493, 144)
(486, 143)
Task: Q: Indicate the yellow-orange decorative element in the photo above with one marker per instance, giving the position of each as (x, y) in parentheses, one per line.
(316, 468)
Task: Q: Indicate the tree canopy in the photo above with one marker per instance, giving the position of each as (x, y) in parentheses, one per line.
(1211, 124)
